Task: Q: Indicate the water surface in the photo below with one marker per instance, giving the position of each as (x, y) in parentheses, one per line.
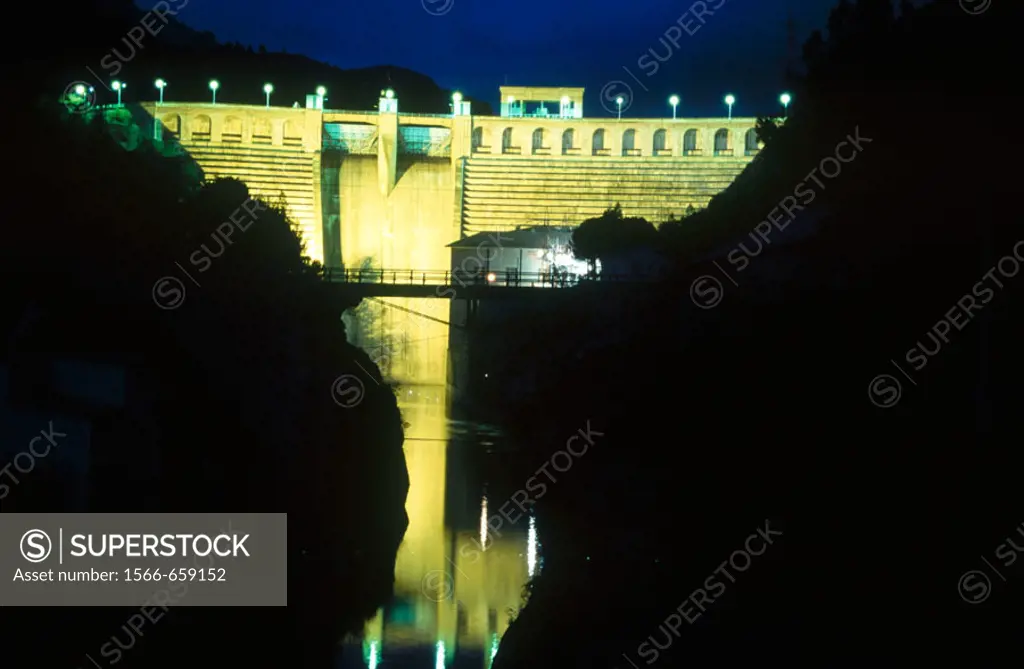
(458, 581)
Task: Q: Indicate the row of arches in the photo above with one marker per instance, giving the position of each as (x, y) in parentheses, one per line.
(201, 129)
(691, 145)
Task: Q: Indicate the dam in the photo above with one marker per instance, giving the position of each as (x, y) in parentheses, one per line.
(392, 189)
(385, 189)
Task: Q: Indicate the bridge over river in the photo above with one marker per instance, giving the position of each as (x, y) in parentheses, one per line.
(467, 285)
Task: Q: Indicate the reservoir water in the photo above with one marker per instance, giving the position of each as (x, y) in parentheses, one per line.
(459, 574)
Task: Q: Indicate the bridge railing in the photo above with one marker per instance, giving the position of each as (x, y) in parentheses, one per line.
(462, 278)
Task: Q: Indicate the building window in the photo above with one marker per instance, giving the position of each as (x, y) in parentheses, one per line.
(629, 143)
(540, 142)
(172, 126)
(660, 142)
(722, 143)
(752, 143)
(292, 133)
(691, 143)
(262, 132)
(506, 142)
(201, 128)
(232, 129)
(569, 142)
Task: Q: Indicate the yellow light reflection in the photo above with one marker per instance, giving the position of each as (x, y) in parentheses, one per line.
(483, 523)
(449, 592)
(439, 656)
(531, 547)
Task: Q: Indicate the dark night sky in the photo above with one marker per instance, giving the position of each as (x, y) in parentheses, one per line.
(478, 45)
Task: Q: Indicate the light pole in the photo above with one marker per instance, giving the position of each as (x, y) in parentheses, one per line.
(118, 86)
(268, 89)
(321, 94)
(214, 85)
(674, 101)
(456, 101)
(619, 102)
(160, 83)
(389, 94)
(785, 99)
(730, 100)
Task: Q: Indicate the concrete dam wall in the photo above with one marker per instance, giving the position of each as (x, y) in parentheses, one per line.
(394, 189)
(501, 193)
(408, 228)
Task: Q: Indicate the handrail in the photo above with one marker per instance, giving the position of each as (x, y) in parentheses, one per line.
(463, 278)
(374, 112)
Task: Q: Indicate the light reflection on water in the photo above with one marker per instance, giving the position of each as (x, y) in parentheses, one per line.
(456, 581)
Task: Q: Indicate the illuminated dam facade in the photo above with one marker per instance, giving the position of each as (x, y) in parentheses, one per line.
(397, 188)
(392, 190)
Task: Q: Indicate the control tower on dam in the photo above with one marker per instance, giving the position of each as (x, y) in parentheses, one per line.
(392, 189)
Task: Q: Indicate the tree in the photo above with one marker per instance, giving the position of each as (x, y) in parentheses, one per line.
(766, 127)
(236, 380)
(609, 233)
